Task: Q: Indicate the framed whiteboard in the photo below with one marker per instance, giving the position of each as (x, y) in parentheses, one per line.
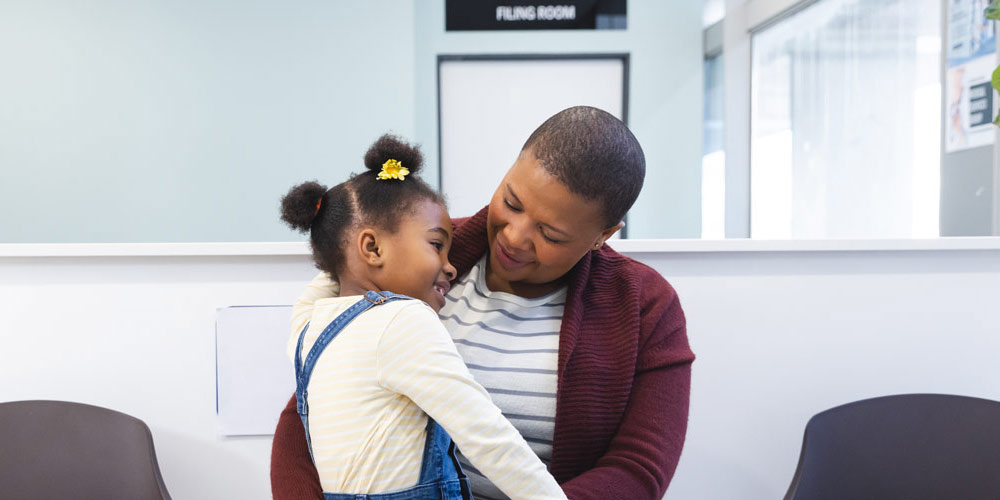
(488, 105)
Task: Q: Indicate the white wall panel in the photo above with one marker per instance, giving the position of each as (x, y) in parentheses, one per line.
(779, 335)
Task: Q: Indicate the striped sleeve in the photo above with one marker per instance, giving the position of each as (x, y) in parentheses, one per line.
(321, 287)
(417, 358)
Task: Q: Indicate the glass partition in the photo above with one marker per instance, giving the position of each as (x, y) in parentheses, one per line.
(845, 121)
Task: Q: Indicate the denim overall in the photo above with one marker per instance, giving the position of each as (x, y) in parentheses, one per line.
(441, 476)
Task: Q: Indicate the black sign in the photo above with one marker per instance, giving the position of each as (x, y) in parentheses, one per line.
(470, 15)
(980, 104)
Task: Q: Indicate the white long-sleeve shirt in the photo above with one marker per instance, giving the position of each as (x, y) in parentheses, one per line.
(375, 385)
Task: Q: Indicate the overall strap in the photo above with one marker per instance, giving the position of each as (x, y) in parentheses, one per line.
(303, 370)
(440, 464)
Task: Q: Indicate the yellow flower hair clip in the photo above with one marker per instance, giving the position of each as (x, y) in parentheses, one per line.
(393, 169)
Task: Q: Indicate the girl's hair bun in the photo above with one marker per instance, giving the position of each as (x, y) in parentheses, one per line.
(300, 206)
(390, 147)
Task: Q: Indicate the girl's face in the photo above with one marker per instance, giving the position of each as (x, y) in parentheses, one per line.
(538, 230)
(414, 259)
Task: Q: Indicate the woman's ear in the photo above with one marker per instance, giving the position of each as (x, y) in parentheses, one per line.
(368, 247)
(608, 233)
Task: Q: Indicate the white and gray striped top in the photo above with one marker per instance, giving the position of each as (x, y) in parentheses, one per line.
(511, 346)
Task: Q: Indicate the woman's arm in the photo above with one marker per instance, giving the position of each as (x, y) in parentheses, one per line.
(641, 458)
(293, 475)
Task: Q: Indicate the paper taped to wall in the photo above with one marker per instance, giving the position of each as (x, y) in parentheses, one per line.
(254, 378)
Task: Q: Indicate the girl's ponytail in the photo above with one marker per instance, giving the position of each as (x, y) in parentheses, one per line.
(301, 205)
(391, 147)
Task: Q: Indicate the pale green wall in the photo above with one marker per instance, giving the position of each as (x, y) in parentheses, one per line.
(186, 120)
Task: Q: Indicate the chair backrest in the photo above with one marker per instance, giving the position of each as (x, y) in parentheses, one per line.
(57, 449)
(911, 446)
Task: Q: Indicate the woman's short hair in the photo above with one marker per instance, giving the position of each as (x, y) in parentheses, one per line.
(595, 155)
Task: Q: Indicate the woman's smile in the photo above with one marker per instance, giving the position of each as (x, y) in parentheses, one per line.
(507, 259)
(538, 230)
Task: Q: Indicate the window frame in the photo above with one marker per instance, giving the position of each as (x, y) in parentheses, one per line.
(743, 19)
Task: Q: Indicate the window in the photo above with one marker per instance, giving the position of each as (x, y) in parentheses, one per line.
(845, 121)
(713, 160)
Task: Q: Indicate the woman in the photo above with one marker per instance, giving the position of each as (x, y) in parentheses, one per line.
(584, 350)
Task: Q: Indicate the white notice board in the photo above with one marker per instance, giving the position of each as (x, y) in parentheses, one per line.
(254, 377)
(489, 105)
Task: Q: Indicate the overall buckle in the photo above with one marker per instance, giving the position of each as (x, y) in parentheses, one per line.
(381, 298)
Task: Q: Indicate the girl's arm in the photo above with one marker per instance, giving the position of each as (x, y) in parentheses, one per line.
(417, 358)
(321, 287)
(293, 475)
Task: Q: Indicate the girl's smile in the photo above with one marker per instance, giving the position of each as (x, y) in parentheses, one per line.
(413, 261)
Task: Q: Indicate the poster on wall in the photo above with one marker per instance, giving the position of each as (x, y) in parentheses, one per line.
(970, 60)
(489, 15)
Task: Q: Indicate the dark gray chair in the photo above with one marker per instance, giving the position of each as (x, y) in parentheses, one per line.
(57, 449)
(911, 446)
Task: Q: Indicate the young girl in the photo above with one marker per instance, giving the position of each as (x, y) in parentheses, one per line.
(377, 374)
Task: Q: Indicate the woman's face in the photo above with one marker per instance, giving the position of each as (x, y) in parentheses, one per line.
(538, 230)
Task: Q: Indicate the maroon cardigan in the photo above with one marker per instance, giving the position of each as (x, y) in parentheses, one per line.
(623, 389)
